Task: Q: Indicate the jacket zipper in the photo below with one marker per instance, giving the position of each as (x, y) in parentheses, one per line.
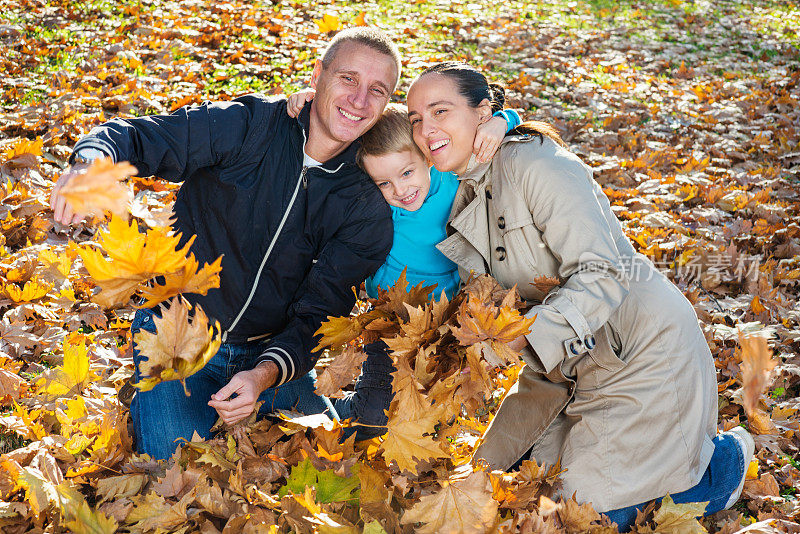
(304, 180)
(300, 180)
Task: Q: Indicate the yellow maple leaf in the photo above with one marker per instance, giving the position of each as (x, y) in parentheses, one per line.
(74, 375)
(100, 188)
(179, 348)
(61, 262)
(464, 506)
(190, 279)
(674, 518)
(88, 521)
(134, 258)
(328, 23)
(405, 443)
(33, 289)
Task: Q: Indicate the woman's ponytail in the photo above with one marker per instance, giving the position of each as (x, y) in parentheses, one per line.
(498, 96)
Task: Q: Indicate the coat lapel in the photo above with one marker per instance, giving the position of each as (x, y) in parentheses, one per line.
(468, 245)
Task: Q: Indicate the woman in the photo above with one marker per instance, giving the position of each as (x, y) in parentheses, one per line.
(619, 382)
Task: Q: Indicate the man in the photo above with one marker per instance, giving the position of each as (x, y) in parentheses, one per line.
(296, 221)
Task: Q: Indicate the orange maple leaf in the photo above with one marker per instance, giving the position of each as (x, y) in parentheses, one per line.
(187, 280)
(99, 188)
(480, 322)
(24, 146)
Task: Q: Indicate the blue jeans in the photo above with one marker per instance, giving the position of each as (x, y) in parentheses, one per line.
(720, 480)
(165, 414)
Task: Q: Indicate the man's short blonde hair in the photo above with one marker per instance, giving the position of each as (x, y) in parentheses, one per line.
(366, 36)
(391, 134)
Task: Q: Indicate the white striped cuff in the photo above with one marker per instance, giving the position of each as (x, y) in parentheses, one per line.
(97, 144)
(281, 358)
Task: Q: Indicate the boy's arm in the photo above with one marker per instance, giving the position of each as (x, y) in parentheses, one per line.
(296, 101)
(491, 133)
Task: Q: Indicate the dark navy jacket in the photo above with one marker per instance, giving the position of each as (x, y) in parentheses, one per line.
(294, 239)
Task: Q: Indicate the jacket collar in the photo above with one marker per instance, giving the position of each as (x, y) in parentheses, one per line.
(347, 156)
(477, 171)
(470, 246)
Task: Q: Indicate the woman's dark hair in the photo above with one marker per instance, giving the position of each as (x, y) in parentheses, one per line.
(474, 86)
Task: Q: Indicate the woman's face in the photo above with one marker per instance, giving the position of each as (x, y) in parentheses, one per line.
(443, 122)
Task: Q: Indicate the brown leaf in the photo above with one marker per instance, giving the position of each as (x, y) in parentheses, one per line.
(340, 372)
(12, 386)
(405, 443)
(757, 366)
(459, 507)
(179, 348)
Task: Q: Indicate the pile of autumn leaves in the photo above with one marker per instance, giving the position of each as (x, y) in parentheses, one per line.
(77, 470)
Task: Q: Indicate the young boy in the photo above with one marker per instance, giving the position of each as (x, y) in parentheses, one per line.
(420, 198)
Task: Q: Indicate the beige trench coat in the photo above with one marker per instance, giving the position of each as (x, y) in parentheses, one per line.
(620, 383)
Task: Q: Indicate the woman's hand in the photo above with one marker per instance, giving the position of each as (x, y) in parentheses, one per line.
(296, 101)
(488, 138)
(518, 344)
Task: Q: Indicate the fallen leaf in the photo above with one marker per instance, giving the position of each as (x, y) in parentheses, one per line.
(459, 507)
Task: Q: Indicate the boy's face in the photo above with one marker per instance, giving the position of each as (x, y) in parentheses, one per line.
(402, 177)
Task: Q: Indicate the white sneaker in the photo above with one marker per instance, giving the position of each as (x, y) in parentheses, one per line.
(748, 446)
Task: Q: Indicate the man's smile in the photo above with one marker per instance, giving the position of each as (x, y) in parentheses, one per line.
(349, 116)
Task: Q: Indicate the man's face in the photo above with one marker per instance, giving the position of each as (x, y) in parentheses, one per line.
(352, 92)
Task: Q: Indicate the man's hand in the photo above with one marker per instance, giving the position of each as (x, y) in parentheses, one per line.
(238, 398)
(62, 212)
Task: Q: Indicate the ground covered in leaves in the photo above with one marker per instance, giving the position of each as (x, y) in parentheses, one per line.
(688, 111)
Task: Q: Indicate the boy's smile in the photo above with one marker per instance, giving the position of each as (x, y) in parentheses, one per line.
(402, 177)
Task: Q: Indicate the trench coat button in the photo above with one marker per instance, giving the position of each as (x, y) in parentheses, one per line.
(589, 342)
(501, 253)
(575, 347)
(489, 193)
(501, 222)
